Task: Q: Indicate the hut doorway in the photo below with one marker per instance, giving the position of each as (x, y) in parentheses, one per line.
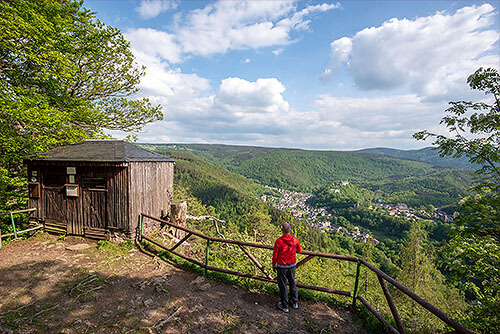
(55, 204)
(94, 196)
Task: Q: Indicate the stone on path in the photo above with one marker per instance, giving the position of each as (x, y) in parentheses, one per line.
(198, 280)
(148, 302)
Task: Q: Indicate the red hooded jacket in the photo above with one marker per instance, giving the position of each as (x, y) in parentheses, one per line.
(285, 249)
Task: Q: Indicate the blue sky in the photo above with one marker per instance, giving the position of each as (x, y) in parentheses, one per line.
(309, 74)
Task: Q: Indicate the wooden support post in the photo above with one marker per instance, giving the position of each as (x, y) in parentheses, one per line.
(431, 308)
(254, 260)
(303, 261)
(13, 225)
(356, 284)
(207, 254)
(181, 241)
(393, 308)
(142, 228)
(378, 316)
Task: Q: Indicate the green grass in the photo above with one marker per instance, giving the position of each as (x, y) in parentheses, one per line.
(114, 248)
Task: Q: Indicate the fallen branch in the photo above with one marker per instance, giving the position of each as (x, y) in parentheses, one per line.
(145, 252)
(206, 218)
(215, 220)
(89, 291)
(38, 313)
(17, 309)
(87, 280)
(164, 321)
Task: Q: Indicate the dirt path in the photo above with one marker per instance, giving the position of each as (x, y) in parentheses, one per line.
(51, 285)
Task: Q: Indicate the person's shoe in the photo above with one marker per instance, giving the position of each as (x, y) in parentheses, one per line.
(283, 308)
(295, 305)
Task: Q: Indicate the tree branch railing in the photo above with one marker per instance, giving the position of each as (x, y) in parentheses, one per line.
(382, 277)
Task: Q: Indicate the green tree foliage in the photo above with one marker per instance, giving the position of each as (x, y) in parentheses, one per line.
(64, 76)
(473, 255)
(231, 195)
(341, 197)
(420, 275)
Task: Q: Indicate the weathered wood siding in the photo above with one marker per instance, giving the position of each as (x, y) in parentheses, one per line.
(35, 202)
(150, 189)
(118, 206)
(102, 196)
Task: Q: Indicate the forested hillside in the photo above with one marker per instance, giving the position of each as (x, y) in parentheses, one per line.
(391, 179)
(211, 189)
(427, 154)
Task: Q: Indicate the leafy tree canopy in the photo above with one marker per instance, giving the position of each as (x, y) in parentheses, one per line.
(474, 251)
(64, 76)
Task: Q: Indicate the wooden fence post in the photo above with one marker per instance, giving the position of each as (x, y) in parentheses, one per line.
(13, 225)
(356, 284)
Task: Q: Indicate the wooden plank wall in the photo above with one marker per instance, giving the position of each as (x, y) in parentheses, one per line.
(94, 209)
(150, 189)
(118, 204)
(36, 202)
(53, 204)
(111, 205)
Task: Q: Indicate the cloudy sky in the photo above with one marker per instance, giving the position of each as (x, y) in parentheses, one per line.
(315, 75)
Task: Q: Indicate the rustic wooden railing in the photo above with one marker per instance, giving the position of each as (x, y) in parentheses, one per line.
(15, 232)
(382, 277)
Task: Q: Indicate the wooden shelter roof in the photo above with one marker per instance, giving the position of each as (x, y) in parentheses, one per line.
(100, 151)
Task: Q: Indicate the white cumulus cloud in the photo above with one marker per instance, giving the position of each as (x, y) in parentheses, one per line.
(244, 97)
(225, 25)
(378, 121)
(154, 43)
(430, 55)
(152, 8)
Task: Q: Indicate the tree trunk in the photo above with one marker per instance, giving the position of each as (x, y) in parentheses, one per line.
(178, 213)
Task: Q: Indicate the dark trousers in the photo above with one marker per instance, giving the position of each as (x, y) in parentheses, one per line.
(284, 275)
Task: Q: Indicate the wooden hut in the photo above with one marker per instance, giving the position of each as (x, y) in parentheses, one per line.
(99, 187)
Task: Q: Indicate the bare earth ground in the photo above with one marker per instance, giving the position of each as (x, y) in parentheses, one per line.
(46, 287)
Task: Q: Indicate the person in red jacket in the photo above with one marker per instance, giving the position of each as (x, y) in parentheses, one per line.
(284, 262)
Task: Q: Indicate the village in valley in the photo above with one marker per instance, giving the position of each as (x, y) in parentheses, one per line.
(296, 204)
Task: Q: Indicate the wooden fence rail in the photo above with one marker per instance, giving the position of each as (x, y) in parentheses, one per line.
(382, 277)
(15, 231)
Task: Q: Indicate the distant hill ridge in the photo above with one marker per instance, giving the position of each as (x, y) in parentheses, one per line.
(222, 151)
(427, 154)
(395, 178)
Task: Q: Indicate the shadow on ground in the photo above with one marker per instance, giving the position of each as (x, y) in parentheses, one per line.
(47, 288)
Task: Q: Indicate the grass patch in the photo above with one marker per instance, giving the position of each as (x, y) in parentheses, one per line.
(11, 322)
(112, 248)
(233, 322)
